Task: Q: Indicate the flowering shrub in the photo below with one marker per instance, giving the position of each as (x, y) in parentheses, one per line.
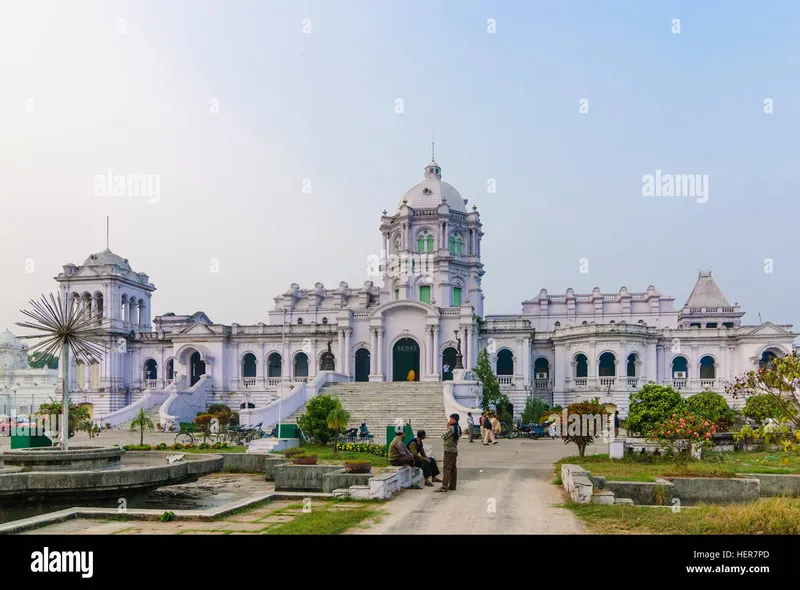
(371, 449)
(160, 447)
(204, 445)
(682, 432)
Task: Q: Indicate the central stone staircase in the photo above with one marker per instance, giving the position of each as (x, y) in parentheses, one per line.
(152, 413)
(382, 404)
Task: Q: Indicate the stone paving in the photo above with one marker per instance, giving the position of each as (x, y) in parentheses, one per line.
(505, 488)
(254, 521)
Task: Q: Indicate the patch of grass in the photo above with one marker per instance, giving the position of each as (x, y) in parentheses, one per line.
(244, 510)
(323, 522)
(117, 518)
(773, 516)
(648, 468)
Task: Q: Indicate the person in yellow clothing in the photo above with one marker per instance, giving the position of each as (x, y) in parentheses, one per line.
(411, 375)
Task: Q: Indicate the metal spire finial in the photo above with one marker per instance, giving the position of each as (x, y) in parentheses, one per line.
(433, 146)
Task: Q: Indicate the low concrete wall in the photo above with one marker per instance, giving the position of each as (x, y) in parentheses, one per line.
(271, 463)
(302, 477)
(337, 480)
(577, 483)
(774, 484)
(129, 480)
(715, 490)
(244, 463)
(658, 493)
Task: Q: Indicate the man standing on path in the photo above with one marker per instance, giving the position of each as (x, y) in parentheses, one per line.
(450, 438)
(470, 424)
(487, 428)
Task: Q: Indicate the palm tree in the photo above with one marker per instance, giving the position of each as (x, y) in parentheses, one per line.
(141, 422)
(338, 420)
(67, 327)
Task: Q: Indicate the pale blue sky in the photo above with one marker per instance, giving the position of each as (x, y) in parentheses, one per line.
(321, 106)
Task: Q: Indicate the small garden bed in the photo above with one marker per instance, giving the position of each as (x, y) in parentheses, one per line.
(648, 468)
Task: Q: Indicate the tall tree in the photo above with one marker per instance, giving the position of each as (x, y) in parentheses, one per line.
(491, 386)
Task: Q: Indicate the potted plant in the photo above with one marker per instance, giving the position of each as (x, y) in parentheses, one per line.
(304, 459)
(358, 466)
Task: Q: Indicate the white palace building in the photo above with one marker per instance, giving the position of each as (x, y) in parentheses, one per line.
(426, 292)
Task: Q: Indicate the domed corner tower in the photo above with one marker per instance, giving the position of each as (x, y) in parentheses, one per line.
(120, 298)
(431, 246)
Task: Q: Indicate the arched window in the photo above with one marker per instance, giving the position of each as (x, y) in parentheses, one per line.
(249, 365)
(397, 247)
(274, 363)
(631, 372)
(299, 321)
(459, 246)
(607, 365)
(170, 370)
(420, 244)
(452, 245)
(324, 321)
(581, 366)
(301, 365)
(679, 367)
(766, 359)
(430, 243)
(707, 369)
(150, 369)
(505, 362)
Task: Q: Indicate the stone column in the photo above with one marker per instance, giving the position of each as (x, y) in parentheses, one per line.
(381, 373)
(437, 365)
(373, 357)
(339, 360)
(347, 355)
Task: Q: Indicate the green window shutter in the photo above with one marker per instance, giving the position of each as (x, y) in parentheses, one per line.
(425, 293)
(452, 245)
(456, 296)
(459, 246)
(420, 244)
(430, 243)
(397, 293)
(397, 247)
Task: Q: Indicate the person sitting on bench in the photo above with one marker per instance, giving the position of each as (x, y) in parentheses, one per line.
(421, 460)
(363, 432)
(398, 453)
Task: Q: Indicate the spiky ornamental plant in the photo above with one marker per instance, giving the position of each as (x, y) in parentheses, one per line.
(67, 328)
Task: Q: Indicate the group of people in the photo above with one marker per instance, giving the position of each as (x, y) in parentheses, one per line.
(489, 427)
(414, 454)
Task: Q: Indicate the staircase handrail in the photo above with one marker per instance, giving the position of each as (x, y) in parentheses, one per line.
(151, 397)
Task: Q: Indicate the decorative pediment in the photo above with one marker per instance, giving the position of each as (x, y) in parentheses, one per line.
(769, 329)
(197, 328)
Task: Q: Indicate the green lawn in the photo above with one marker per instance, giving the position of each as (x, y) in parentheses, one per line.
(714, 465)
(326, 520)
(326, 455)
(774, 516)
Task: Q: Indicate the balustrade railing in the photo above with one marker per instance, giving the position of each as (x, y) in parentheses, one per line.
(301, 379)
(679, 383)
(544, 384)
(606, 381)
(274, 381)
(249, 381)
(151, 384)
(633, 381)
(580, 381)
(707, 383)
(505, 380)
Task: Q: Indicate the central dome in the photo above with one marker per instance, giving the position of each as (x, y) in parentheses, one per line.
(107, 257)
(428, 194)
